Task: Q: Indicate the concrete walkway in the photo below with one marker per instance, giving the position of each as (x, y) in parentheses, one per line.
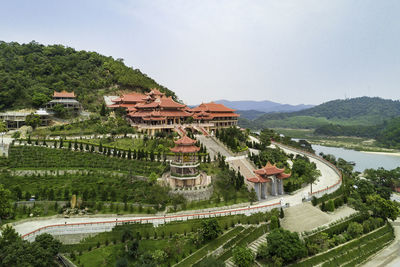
(306, 217)
(389, 256)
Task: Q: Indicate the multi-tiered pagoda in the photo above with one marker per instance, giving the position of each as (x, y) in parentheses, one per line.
(269, 174)
(184, 172)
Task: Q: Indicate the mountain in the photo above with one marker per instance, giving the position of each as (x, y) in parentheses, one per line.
(262, 106)
(356, 111)
(250, 114)
(29, 73)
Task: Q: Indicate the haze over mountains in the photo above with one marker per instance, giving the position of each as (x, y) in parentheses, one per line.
(265, 106)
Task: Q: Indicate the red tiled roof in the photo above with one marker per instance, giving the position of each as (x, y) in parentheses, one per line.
(283, 175)
(155, 92)
(113, 106)
(228, 114)
(133, 97)
(185, 140)
(212, 107)
(258, 179)
(185, 149)
(154, 118)
(168, 102)
(64, 94)
(124, 105)
(269, 169)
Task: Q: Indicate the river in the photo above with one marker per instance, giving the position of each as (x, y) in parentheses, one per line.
(362, 160)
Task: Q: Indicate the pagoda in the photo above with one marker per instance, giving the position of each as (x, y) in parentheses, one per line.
(66, 99)
(268, 174)
(184, 172)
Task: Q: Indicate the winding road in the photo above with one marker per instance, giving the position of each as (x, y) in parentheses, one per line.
(330, 178)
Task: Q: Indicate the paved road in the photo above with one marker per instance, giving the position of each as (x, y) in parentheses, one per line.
(327, 178)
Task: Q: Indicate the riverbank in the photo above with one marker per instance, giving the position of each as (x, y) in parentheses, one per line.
(347, 142)
(383, 153)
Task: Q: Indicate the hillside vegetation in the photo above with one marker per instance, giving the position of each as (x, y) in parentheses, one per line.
(29, 73)
(356, 111)
(386, 134)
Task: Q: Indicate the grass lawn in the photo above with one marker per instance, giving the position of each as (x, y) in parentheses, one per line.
(103, 256)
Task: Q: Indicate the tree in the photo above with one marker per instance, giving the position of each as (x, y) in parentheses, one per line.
(285, 245)
(59, 111)
(5, 204)
(243, 257)
(153, 177)
(355, 229)
(32, 120)
(252, 196)
(103, 111)
(382, 208)
(274, 222)
(159, 256)
(330, 206)
(49, 243)
(133, 249)
(2, 126)
(210, 229)
(39, 99)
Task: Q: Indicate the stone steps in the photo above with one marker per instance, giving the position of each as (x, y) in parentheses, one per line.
(253, 247)
(229, 263)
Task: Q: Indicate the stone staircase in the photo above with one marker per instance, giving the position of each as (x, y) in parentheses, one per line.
(253, 247)
(257, 243)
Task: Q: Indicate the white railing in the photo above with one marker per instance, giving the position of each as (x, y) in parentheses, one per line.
(107, 226)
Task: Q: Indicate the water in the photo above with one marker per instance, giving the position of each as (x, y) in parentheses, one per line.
(362, 160)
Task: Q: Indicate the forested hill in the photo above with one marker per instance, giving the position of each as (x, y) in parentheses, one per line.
(355, 111)
(29, 73)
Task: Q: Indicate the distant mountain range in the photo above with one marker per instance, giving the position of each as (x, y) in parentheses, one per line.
(262, 106)
(355, 111)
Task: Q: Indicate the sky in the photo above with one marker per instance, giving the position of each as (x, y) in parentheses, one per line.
(287, 51)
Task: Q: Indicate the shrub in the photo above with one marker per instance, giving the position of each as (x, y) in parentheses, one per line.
(314, 201)
(330, 206)
(274, 223)
(354, 229)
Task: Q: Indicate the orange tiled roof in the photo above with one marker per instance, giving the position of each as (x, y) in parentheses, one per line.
(185, 140)
(185, 149)
(258, 179)
(64, 94)
(269, 169)
(133, 97)
(212, 107)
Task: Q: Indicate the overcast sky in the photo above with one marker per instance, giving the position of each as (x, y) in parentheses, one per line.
(288, 51)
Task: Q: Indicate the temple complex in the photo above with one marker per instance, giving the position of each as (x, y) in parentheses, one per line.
(184, 172)
(154, 112)
(218, 115)
(66, 99)
(273, 176)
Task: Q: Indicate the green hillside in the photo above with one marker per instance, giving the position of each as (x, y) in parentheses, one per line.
(386, 134)
(29, 73)
(356, 111)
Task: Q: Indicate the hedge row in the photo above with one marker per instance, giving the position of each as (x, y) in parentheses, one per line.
(339, 251)
(340, 227)
(42, 157)
(201, 253)
(245, 240)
